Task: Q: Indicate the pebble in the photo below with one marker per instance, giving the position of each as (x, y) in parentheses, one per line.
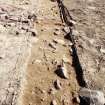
(52, 46)
(33, 31)
(102, 50)
(53, 102)
(36, 61)
(66, 29)
(76, 100)
(57, 33)
(57, 84)
(60, 41)
(73, 22)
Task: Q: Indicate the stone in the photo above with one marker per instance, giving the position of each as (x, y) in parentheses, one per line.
(60, 41)
(91, 97)
(57, 32)
(57, 84)
(102, 50)
(62, 72)
(33, 31)
(52, 91)
(38, 61)
(76, 100)
(52, 45)
(66, 29)
(53, 102)
(17, 33)
(73, 22)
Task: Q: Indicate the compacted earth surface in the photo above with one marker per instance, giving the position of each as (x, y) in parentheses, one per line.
(36, 62)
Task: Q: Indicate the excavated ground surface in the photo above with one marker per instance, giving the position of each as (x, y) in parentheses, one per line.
(28, 62)
(40, 76)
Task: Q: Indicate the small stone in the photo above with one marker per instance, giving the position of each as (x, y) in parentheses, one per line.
(76, 100)
(38, 61)
(62, 72)
(17, 33)
(32, 17)
(33, 31)
(52, 46)
(43, 91)
(60, 41)
(52, 91)
(57, 84)
(102, 50)
(73, 22)
(71, 52)
(70, 44)
(53, 102)
(1, 57)
(57, 32)
(66, 29)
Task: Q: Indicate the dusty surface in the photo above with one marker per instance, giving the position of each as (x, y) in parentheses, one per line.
(28, 61)
(40, 77)
(15, 47)
(89, 15)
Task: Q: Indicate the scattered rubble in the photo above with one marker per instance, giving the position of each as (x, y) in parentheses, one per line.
(66, 29)
(52, 91)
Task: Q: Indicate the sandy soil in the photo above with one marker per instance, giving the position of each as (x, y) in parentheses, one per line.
(89, 16)
(32, 48)
(40, 75)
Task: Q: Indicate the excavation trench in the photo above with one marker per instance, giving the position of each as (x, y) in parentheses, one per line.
(46, 55)
(31, 50)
